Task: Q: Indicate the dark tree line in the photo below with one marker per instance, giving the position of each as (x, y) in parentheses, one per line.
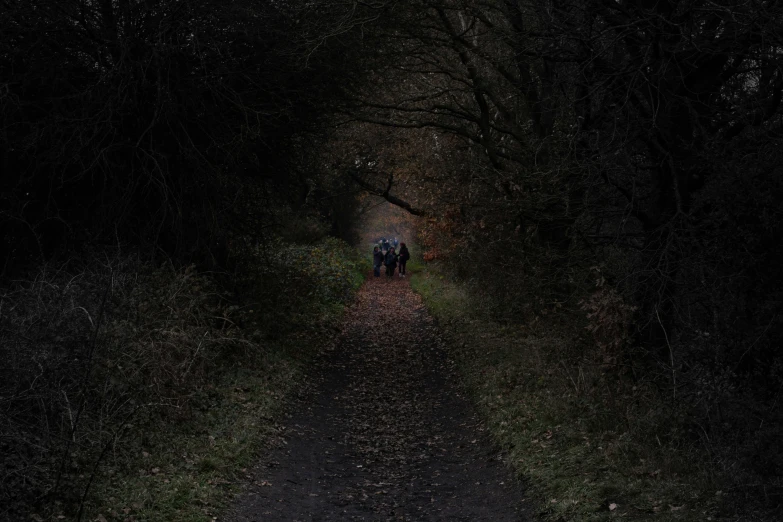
(149, 120)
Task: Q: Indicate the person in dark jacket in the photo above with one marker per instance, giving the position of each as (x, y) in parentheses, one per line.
(390, 262)
(404, 256)
(377, 261)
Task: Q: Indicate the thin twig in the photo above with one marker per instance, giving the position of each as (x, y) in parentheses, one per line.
(671, 355)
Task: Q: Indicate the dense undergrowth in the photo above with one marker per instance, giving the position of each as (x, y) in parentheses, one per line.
(139, 390)
(593, 443)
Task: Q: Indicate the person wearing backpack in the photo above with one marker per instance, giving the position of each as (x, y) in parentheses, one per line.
(390, 262)
(377, 261)
(404, 256)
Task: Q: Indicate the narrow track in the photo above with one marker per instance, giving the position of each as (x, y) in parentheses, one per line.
(388, 435)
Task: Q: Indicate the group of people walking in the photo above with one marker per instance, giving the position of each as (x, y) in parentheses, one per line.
(390, 258)
(385, 243)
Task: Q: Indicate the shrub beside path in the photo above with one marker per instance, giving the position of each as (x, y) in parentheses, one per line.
(387, 435)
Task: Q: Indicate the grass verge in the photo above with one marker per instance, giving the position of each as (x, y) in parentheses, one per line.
(137, 391)
(591, 446)
(189, 468)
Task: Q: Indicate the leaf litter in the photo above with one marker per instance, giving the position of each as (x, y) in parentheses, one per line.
(386, 434)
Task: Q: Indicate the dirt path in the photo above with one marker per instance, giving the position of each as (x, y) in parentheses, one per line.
(387, 436)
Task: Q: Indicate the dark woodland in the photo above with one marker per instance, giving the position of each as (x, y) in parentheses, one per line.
(609, 172)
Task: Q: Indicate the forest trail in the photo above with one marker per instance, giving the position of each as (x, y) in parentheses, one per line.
(387, 435)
